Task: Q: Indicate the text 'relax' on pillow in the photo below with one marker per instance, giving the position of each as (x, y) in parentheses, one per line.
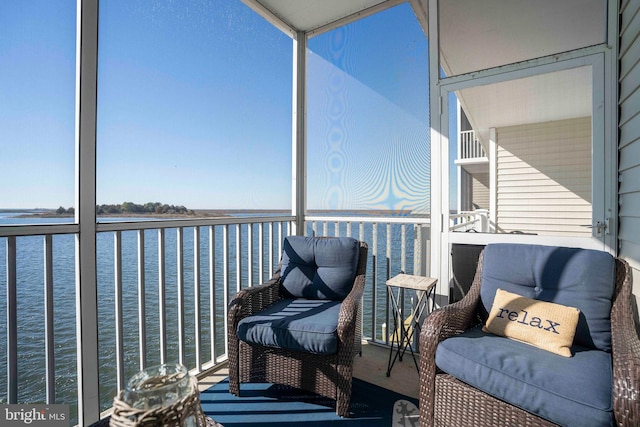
(546, 325)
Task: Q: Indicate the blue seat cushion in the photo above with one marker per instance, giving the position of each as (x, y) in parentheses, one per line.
(295, 324)
(573, 277)
(319, 268)
(569, 391)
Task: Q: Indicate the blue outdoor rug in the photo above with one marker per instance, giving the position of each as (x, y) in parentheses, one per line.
(270, 405)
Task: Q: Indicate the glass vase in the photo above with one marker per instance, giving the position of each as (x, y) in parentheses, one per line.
(160, 386)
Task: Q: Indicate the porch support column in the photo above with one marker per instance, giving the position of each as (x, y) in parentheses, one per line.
(439, 160)
(85, 208)
(493, 180)
(464, 200)
(299, 137)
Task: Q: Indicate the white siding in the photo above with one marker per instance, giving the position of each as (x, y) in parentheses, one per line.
(544, 178)
(480, 190)
(629, 142)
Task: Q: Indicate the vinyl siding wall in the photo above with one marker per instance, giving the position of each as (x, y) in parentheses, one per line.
(629, 137)
(544, 178)
(480, 189)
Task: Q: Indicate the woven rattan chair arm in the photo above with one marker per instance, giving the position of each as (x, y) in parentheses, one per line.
(347, 319)
(441, 324)
(243, 304)
(446, 322)
(349, 309)
(452, 319)
(252, 300)
(626, 379)
(625, 352)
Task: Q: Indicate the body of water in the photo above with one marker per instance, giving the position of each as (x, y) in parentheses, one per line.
(30, 304)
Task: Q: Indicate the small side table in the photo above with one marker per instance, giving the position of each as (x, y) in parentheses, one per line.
(404, 333)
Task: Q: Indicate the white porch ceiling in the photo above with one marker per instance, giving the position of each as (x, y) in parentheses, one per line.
(307, 15)
(476, 35)
(541, 98)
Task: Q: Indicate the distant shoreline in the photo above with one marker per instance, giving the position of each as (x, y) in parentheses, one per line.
(206, 213)
(196, 214)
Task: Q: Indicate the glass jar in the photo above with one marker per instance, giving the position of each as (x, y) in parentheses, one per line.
(160, 386)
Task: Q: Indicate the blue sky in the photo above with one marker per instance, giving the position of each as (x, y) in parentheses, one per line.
(37, 98)
(194, 108)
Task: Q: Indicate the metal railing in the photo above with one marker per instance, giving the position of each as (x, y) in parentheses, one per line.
(163, 290)
(470, 146)
(396, 244)
(477, 220)
(200, 251)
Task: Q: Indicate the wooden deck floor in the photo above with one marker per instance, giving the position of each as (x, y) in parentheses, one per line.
(371, 367)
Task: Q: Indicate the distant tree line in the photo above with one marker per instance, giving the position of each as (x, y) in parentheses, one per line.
(134, 208)
(62, 211)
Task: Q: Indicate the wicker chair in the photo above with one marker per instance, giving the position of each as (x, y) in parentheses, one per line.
(447, 401)
(328, 375)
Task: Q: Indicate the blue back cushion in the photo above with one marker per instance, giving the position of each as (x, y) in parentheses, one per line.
(319, 268)
(579, 278)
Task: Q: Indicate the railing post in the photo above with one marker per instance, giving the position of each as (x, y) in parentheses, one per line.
(225, 283)
(250, 254)
(180, 287)
(239, 257)
(196, 295)
(212, 292)
(12, 322)
(280, 240)
(261, 252)
(387, 277)
(119, 317)
(162, 300)
(142, 311)
(271, 250)
(49, 341)
(374, 273)
(483, 216)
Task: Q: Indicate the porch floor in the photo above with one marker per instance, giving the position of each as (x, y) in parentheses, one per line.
(371, 367)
